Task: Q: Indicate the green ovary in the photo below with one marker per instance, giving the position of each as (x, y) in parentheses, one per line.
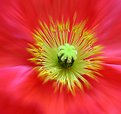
(67, 54)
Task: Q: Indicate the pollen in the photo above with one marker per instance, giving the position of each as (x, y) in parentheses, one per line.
(66, 54)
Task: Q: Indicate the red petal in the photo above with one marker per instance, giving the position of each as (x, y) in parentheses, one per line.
(20, 18)
(25, 91)
(24, 88)
(102, 98)
(14, 36)
(14, 52)
(10, 78)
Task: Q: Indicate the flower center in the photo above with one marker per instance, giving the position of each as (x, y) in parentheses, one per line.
(67, 54)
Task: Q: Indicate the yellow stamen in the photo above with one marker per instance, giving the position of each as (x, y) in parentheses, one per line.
(45, 53)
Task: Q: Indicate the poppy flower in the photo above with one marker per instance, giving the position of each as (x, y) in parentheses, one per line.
(60, 57)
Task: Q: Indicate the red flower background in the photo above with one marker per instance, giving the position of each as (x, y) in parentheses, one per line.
(21, 92)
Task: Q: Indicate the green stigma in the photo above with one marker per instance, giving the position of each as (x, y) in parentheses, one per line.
(67, 54)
